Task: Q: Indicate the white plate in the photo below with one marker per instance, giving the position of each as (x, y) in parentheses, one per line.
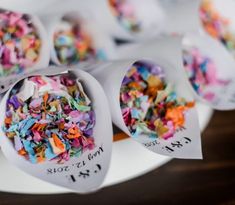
(129, 160)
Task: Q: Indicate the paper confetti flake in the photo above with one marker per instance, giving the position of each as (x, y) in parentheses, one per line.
(149, 105)
(124, 11)
(19, 43)
(202, 73)
(47, 125)
(217, 25)
(73, 44)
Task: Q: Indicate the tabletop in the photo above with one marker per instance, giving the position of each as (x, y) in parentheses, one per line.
(207, 181)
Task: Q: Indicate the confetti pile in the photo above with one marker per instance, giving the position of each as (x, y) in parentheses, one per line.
(216, 25)
(72, 45)
(19, 43)
(201, 71)
(149, 105)
(125, 13)
(52, 121)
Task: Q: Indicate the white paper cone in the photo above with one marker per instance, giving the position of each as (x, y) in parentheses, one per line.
(170, 49)
(226, 9)
(100, 41)
(27, 6)
(167, 48)
(225, 64)
(184, 17)
(42, 62)
(67, 174)
(149, 14)
(111, 76)
(181, 16)
(225, 32)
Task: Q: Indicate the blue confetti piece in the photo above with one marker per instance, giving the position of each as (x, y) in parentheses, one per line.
(143, 72)
(28, 147)
(33, 159)
(27, 123)
(49, 154)
(135, 113)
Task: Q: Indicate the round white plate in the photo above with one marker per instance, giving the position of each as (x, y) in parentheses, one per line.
(125, 165)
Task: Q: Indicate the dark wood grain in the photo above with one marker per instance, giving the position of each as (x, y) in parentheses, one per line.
(208, 181)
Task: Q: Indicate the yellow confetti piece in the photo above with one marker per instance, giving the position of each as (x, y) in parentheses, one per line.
(31, 54)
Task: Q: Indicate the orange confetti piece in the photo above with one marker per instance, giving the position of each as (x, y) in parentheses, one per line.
(176, 115)
(58, 142)
(22, 152)
(73, 133)
(57, 145)
(39, 126)
(8, 120)
(45, 98)
(190, 104)
(40, 158)
(61, 126)
(40, 155)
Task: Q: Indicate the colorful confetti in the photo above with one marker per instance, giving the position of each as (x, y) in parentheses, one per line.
(149, 105)
(50, 118)
(216, 25)
(73, 44)
(125, 13)
(201, 72)
(19, 43)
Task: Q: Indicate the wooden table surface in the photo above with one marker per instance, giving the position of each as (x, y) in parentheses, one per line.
(208, 181)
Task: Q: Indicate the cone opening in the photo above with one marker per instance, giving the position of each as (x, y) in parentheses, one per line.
(125, 13)
(132, 16)
(218, 20)
(21, 43)
(149, 104)
(209, 67)
(50, 118)
(74, 42)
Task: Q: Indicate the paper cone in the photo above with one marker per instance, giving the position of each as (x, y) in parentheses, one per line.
(148, 14)
(185, 16)
(27, 6)
(225, 64)
(100, 41)
(181, 16)
(223, 28)
(67, 174)
(111, 76)
(170, 48)
(42, 62)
